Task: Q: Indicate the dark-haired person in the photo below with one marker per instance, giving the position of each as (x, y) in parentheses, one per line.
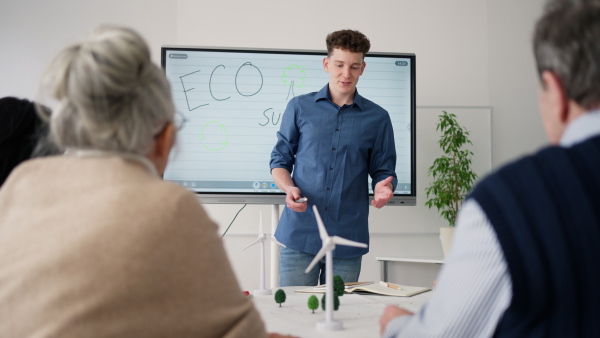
(524, 261)
(22, 134)
(94, 243)
(332, 141)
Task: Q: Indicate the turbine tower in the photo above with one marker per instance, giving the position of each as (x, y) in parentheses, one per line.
(329, 244)
(261, 239)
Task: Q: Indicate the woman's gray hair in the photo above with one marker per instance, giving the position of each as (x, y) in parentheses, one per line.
(110, 95)
(566, 42)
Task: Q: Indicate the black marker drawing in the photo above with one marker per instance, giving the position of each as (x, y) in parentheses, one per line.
(248, 64)
(210, 84)
(187, 90)
(272, 118)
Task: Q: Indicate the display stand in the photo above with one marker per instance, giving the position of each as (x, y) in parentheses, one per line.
(262, 291)
(274, 247)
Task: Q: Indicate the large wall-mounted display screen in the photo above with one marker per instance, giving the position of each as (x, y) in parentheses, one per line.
(232, 100)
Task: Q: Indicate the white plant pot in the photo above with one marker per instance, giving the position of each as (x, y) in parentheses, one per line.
(446, 236)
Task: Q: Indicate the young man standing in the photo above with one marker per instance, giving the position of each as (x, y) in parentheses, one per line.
(332, 140)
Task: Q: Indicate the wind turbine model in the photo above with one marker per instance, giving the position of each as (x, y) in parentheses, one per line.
(329, 244)
(261, 239)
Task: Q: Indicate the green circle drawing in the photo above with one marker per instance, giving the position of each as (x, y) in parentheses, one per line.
(215, 136)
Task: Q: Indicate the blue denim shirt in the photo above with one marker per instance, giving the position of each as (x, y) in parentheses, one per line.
(330, 150)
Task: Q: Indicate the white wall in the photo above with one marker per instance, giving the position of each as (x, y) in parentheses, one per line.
(513, 82)
(469, 53)
(448, 37)
(33, 31)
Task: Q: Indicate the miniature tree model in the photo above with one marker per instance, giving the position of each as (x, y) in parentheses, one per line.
(313, 303)
(338, 285)
(280, 297)
(452, 174)
(336, 302)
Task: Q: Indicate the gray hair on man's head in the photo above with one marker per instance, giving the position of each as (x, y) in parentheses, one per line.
(566, 42)
(553, 5)
(110, 95)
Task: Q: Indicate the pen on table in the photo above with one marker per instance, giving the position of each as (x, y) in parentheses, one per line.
(389, 285)
(301, 200)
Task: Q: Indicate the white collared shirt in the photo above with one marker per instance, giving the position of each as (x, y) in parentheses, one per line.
(475, 287)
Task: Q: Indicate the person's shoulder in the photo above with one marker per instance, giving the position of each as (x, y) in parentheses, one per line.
(518, 169)
(174, 194)
(371, 106)
(300, 103)
(166, 204)
(308, 97)
(51, 160)
(42, 165)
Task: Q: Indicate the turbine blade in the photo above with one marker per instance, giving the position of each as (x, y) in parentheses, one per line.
(260, 225)
(322, 230)
(347, 242)
(276, 241)
(251, 244)
(318, 257)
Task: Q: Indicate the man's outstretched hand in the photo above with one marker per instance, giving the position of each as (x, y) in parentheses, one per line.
(383, 193)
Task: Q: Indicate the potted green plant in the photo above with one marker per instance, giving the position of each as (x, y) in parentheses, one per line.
(452, 174)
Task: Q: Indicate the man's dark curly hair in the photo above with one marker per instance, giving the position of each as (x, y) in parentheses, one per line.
(347, 39)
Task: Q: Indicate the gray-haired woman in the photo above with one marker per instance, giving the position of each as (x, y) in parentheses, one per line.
(94, 243)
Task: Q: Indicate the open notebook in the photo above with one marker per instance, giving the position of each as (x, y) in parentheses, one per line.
(373, 288)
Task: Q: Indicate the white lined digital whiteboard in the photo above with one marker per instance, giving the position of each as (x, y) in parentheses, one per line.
(232, 101)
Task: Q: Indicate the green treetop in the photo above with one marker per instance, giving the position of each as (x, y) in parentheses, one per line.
(313, 303)
(280, 297)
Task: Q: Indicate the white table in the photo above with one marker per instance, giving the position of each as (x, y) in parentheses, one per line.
(383, 270)
(359, 313)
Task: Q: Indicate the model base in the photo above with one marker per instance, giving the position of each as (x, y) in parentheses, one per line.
(262, 292)
(333, 325)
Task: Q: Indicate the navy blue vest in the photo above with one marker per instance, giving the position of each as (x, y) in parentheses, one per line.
(545, 210)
